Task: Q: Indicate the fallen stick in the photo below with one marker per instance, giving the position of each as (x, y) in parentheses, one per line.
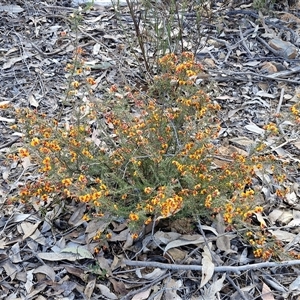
(233, 269)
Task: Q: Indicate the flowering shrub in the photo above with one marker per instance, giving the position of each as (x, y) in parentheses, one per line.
(140, 155)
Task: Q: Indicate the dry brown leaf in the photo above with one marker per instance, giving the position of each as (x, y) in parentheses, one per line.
(176, 254)
(291, 198)
(244, 143)
(10, 62)
(10, 269)
(106, 292)
(129, 241)
(88, 291)
(142, 295)
(36, 291)
(260, 219)
(195, 239)
(156, 273)
(210, 292)
(93, 227)
(52, 256)
(295, 285)
(223, 240)
(119, 286)
(105, 264)
(207, 267)
(28, 228)
(29, 281)
(165, 237)
(15, 257)
(171, 288)
(76, 218)
(77, 272)
(26, 162)
(282, 235)
(47, 270)
(282, 216)
(266, 293)
(11, 8)
(32, 101)
(120, 237)
(255, 129)
(80, 251)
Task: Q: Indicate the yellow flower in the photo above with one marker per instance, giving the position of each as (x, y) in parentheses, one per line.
(147, 190)
(75, 84)
(133, 217)
(67, 182)
(148, 221)
(34, 142)
(91, 81)
(23, 152)
(135, 236)
(86, 217)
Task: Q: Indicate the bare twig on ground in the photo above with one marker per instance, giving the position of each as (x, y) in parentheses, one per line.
(280, 101)
(232, 269)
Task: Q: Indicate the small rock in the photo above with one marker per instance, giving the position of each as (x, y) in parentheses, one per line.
(269, 68)
(209, 63)
(272, 67)
(288, 49)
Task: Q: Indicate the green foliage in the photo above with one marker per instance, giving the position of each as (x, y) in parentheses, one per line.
(137, 155)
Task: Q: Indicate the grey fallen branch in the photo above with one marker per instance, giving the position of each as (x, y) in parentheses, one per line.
(232, 269)
(239, 76)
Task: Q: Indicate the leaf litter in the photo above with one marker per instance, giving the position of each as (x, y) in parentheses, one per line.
(49, 251)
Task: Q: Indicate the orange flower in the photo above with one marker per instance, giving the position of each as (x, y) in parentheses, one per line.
(133, 217)
(23, 152)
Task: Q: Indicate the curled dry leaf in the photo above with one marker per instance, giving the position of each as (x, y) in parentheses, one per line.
(88, 291)
(47, 270)
(156, 273)
(106, 292)
(195, 239)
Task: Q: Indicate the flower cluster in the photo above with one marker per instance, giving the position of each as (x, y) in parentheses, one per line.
(140, 155)
(295, 112)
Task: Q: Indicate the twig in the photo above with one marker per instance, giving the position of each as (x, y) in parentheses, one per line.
(280, 101)
(138, 35)
(237, 76)
(9, 143)
(244, 43)
(232, 269)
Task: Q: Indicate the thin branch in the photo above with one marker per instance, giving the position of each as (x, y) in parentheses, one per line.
(232, 269)
(280, 101)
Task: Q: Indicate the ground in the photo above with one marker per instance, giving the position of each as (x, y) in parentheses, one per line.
(251, 62)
